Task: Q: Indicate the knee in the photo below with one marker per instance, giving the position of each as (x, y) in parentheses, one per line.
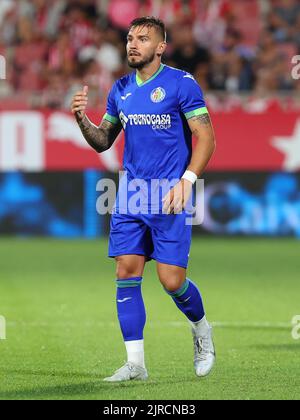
(172, 282)
(126, 269)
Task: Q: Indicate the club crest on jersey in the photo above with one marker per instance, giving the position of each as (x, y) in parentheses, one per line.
(158, 95)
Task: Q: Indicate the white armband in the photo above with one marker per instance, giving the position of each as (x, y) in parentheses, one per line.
(190, 176)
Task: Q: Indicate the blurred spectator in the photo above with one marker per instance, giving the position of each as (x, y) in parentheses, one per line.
(61, 56)
(6, 6)
(187, 55)
(80, 28)
(296, 33)
(283, 18)
(270, 66)
(105, 53)
(8, 25)
(287, 11)
(231, 68)
(29, 57)
(53, 96)
(210, 24)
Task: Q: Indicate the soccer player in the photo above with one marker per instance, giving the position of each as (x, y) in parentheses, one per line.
(159, 108)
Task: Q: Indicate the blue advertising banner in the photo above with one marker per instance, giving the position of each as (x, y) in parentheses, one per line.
(64, 204)
(266, 204)
(58, 204)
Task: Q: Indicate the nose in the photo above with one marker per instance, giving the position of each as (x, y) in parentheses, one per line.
(132, 44)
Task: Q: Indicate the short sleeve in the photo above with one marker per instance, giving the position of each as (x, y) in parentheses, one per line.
(190, 97)
(111, 114)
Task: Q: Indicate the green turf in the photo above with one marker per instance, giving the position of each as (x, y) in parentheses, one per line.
(63, 336)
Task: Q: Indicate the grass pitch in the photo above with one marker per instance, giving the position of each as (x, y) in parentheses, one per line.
(58, 298)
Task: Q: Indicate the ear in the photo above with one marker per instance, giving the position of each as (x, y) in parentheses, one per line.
(161, 48)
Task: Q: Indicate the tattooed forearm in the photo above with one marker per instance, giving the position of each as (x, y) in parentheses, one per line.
(99, 138)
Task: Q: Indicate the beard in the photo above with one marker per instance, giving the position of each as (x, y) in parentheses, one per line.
(138, 63)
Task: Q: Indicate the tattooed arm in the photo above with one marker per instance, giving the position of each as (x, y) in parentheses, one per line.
(202, 129)
(99, 138)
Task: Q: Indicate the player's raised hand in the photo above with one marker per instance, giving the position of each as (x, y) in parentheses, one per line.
(79, 103)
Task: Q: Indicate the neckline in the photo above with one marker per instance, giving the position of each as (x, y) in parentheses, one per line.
(139, 81)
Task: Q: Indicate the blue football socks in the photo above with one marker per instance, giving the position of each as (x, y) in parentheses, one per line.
(188, 299)
(131, 308)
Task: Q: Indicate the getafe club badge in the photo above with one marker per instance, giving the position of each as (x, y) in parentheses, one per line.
(158, 95)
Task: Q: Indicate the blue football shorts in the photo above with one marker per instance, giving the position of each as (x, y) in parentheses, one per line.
(165, 238)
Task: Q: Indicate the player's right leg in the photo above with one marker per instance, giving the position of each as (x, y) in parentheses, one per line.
(132, 316)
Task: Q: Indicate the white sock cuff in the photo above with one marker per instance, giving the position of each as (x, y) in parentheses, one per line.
(134, 345)
(200, 327)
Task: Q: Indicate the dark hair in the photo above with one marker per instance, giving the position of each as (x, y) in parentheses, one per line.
(152, 22)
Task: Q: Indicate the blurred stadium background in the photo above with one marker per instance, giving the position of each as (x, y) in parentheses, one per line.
(241, 53)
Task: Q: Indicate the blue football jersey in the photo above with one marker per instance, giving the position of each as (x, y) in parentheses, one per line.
(154, 114)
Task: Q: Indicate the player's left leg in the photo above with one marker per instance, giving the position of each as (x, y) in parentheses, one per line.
(187, 298)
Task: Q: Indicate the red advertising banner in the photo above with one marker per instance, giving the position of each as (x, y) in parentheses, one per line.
(51, 140)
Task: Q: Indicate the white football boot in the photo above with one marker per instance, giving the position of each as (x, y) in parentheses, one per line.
(204, 353)
(128, 372)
